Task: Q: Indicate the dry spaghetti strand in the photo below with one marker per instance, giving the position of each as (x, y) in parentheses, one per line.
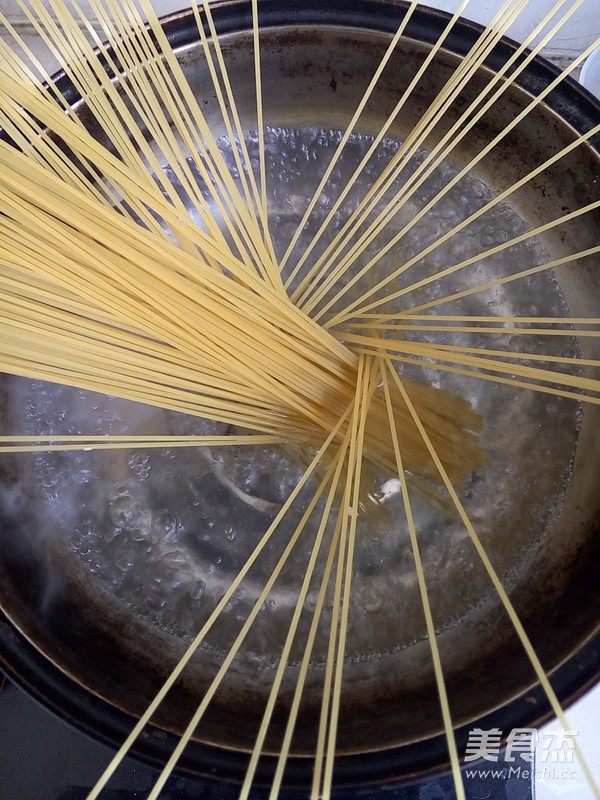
(258, 605)
(48, 443)
(506, 602)
(335, 474)
(180, 666)
(431, 632)
(356, 304)
(331, 265)
(365, 387)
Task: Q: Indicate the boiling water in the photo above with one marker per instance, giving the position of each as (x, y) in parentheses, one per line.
(163, 531)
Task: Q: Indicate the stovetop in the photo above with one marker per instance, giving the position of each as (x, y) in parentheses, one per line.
(44, 758)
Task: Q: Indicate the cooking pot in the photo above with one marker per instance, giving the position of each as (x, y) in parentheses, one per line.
(97, 648)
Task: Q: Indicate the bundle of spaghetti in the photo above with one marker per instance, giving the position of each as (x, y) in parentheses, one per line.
(199, 368)
(162, 286)
(97, 280)
(495, 361)
(339, 257)
(324, 272)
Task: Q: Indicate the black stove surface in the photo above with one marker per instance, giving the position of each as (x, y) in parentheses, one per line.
(44, 758)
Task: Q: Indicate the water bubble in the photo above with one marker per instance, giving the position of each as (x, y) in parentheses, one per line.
(164, 523)
(197, 590)
(371, 598)
(139, 532)
(124, 562)
(123, 510)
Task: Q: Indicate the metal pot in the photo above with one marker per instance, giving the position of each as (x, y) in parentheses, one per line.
(99, 659)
